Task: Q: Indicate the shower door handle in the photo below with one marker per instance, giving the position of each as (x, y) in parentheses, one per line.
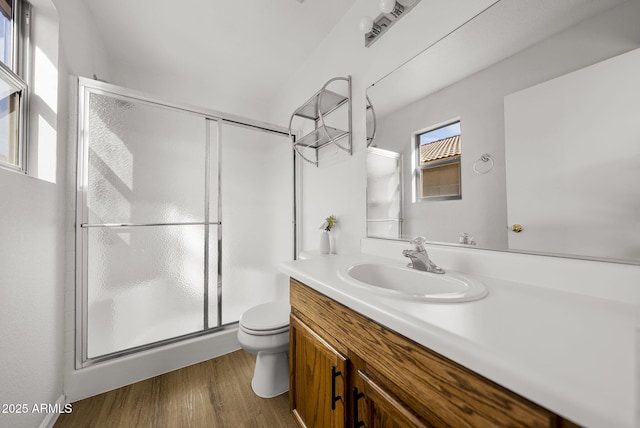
(117, 225)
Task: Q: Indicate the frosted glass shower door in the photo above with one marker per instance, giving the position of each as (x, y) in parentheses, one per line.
(147, 217)
(256, 173)
(145, 284)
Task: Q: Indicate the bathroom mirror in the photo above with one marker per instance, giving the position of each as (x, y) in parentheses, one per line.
(547, 149)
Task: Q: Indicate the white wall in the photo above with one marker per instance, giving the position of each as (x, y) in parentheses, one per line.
(32, 250)
(80, 47)
(337, 186)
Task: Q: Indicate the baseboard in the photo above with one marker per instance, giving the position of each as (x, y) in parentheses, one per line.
(51, 418)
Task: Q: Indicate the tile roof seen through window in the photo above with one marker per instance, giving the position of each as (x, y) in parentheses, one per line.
(441, 149)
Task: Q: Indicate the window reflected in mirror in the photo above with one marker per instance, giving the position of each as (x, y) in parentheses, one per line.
(438, 153)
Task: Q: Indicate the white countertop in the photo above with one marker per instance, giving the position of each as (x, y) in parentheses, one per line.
(573, 354)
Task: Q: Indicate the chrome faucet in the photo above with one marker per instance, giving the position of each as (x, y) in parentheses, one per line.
(419, 258)
(466, 239)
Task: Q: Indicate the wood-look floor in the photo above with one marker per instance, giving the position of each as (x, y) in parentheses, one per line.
(215, 393)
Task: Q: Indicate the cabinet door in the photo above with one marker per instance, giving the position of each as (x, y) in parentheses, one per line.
(317, 379)
(376, 408)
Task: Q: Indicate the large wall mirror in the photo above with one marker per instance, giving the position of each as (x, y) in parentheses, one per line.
(518, 131)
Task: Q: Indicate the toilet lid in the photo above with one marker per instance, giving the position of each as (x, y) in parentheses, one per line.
(267, 316)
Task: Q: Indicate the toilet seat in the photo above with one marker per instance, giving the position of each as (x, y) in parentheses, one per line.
(266, 319)
(264, 332)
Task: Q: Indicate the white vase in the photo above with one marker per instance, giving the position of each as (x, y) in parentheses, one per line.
(332, 242)
(324, 246)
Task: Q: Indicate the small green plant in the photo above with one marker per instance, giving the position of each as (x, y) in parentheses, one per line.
(329, 222)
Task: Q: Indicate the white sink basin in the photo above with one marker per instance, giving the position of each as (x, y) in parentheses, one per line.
(414, 284)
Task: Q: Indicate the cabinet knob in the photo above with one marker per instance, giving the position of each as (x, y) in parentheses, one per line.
(517, 228)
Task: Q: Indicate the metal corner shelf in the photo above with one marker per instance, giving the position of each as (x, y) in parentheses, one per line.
(320, 105)
(318, 138)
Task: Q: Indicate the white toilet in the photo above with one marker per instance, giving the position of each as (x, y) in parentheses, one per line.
(264, 330)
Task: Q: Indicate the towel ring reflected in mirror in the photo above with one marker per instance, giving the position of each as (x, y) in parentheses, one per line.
(484, 164)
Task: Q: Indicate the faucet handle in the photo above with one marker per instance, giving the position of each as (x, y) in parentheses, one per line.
(417, 244)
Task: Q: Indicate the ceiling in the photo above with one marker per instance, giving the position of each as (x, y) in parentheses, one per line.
(246, 48)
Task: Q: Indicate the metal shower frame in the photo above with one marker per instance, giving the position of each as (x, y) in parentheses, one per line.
(86, 87)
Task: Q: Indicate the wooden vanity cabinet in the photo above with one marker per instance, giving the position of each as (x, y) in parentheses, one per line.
(385, 379)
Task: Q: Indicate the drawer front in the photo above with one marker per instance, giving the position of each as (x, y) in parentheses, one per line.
(378, 408)
(435, 388)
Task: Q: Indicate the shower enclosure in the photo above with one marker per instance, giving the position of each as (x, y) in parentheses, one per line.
(182, 217)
